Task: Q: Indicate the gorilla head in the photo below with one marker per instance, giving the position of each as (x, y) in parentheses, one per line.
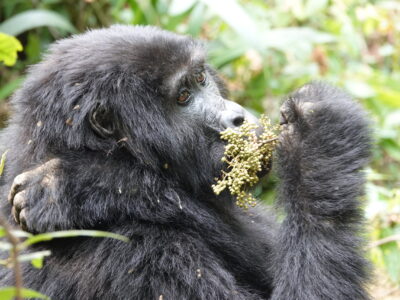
(132, 90)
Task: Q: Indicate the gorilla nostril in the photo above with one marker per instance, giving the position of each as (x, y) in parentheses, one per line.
(238, 121)
(233, 115)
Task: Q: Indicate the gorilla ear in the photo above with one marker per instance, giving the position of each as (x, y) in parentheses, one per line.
(101, 121)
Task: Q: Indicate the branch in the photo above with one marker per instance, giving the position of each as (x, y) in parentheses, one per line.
(14, 257)
(392, 238)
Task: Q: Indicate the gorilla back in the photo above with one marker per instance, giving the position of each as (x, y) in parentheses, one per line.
(118, 129)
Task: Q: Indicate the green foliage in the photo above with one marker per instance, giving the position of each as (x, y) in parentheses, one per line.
(35, 18)
(9, 46)
(2, 162)
(9, 293)
(48, 236)
(36, 258)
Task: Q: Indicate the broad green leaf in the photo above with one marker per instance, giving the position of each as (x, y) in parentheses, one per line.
(71, 233)
(148, 10)
(2, 162)
(196, 19)
(388, 96)
(9, 46)
(238, 19)
(35, 18)
(2, 231)
(8, 293)
(295, 39)
(221, 55)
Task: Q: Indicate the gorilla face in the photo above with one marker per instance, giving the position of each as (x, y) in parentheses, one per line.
(140, 90)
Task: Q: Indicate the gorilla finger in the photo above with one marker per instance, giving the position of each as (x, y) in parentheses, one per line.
(25, 178)
(20, 200)
(283, 120)
(15, 214)
(286, 112)
(22, 220)
(18, 184)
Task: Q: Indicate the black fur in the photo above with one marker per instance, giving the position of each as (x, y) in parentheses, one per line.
(151, 182)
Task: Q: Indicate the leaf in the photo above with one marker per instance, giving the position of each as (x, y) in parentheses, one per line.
(359, 89)
(36, 258)
(9, 46)
(148, 10)
(8, 293)
(4, 246)
(295, 39)
(221, 55)
(33, 255)
(196, 19)
(391, 257)
(312, 7)
(21, 234)
(71, 233)
(35, 18)
(2, 162)
(388, 96)
(178, 7)
(238, 19)
(392, 148)
(37, 262)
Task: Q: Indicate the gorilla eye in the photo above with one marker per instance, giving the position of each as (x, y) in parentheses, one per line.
(201, 78)
(183, 97)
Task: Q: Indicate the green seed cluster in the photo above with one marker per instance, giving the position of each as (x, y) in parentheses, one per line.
(246, 154)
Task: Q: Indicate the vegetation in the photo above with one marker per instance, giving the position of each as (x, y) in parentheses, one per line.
(246, 155)
(264, 49)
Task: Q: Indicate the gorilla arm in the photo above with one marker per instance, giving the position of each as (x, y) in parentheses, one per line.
(50, 197)
(324, 146)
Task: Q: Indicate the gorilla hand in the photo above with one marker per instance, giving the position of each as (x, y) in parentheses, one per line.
(323, 128)
(28, 188)
(324, 144)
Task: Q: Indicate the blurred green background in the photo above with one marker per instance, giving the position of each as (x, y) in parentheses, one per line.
(264, 50)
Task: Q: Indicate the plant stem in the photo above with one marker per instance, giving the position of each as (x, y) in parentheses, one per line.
(14, 241)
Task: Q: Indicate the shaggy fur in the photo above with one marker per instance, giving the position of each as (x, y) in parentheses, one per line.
(151, 182)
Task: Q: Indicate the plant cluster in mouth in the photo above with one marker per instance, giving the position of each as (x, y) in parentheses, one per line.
(246, 155)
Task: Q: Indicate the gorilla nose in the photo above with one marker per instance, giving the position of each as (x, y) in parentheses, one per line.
(234, 115)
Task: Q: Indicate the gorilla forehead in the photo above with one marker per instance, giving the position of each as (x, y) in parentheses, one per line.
(149, 52)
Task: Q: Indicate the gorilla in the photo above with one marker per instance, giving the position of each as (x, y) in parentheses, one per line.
(118, 129)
